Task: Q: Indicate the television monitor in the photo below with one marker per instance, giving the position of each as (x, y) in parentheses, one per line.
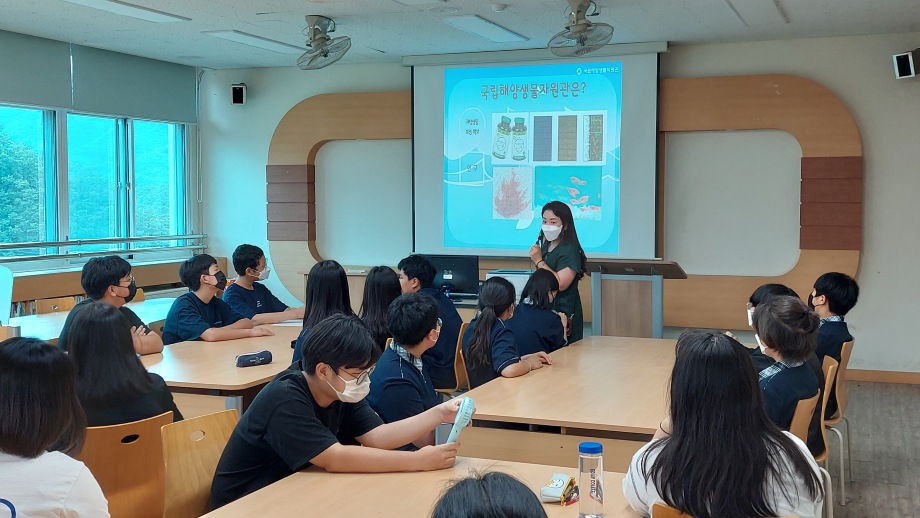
(456, 274)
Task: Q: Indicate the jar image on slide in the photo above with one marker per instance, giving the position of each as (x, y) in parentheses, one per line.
(519, 140)
(502, 138)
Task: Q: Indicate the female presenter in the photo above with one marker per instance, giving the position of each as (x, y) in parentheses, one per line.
(559, 251)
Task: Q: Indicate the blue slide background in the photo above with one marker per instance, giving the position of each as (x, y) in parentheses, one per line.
(469, 134)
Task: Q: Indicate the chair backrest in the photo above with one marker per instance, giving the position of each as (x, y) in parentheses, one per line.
(139, 296)
(4, 332)
(191, 450)
(43, 306)
(830, 371)
(387, 345)
(660, 510)
(463, 378)
(841, 386)
(6, 294)
(804, 411)
(127, 461)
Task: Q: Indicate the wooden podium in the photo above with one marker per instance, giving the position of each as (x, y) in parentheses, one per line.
(627, 296)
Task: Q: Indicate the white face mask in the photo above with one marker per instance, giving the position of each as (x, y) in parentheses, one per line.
(353, 392)
(551, 232)
(760, 344)
(750, 312)
(264, 273)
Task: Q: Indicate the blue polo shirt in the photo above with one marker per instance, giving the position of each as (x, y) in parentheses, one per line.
(399, 389)
(250, 303)
(503, 352)
(439, 360)
(189, 317)
(536, 329)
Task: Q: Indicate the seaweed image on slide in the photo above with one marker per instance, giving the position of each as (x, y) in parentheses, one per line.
(512, 192)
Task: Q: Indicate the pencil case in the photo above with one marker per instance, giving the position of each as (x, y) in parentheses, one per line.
(252, 359)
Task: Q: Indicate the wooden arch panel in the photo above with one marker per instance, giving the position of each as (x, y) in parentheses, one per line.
(832, 182)
(291, 168)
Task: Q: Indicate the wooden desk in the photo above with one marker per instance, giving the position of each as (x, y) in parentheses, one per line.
(606, 387)
(199, 367)
(48, 326)
(317, 493)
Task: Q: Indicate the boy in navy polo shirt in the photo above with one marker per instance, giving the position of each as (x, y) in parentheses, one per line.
(416, 274)
(252, 299)
(400, 385)
(200, 314)
(833, 296)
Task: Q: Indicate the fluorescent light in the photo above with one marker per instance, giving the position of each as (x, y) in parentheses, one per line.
(134, 11)
(256, 41)
(481, 27)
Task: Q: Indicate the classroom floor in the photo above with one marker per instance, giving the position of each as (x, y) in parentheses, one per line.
(886, 457)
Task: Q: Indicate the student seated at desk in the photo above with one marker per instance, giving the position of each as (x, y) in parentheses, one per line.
(785, 330)
(303, 417)
(488, 344)
(108, 279)
(112, 384)
(833, 296)
(380, 289)
(327, 295)
(416, 274)
(200, 314)
(252, 299)
(535, 325)
(762, 294)
(489, 494)
(39, 409)
(718, 454)
(400, 384)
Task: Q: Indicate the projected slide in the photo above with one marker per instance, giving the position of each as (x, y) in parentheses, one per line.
(518, 137)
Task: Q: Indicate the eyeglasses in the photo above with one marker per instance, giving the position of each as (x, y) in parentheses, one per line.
(360, 378)
(130, 280)
(439, 325)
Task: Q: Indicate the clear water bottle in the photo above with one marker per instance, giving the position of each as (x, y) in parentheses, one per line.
(590, 480)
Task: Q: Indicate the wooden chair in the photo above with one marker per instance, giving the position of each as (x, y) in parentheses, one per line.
(387, 345)
(842, 400)
(127, 461)
(804, 411)
(828, 492)
(43, 306)
(830, 370)
(191, 450)
(660, 510)
(139, 296)
(463, 382)
(4, 333)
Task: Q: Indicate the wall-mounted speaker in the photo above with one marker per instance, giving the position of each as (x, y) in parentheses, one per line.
(905, 64)
(238, 93)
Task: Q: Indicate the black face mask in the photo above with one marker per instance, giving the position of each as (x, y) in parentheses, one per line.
(221, 280)
(132, 291)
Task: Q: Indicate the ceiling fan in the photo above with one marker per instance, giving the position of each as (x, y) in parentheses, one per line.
(580, 35)
(323, 50)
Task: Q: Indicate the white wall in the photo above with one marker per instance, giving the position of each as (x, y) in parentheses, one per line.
(234, 151)
(702, 170)
(859, 71)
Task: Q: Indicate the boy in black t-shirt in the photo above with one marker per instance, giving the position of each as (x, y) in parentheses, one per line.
(305, 415)
(251, 298)
(833, 296)
(108, 279)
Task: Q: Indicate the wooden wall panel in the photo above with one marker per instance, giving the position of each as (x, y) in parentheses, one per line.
(290, 211)
(831, 214)
(290, 230)
(832, 167)
(832, 190)
(830, 238)
(290, 174)
(288, 193)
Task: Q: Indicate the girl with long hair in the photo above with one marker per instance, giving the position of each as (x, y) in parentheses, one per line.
(488, 343)
(559, 251)
(535, 325)
(718, 454)
(327, 295)
(38, 409)
(112, 383)
(380, 289)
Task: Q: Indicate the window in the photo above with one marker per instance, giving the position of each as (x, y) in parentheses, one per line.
(24, 185)
(122, 178)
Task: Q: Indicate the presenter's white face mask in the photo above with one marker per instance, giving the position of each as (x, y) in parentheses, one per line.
(551, 232)
(354, 391)
(264, 273)
(760, 344)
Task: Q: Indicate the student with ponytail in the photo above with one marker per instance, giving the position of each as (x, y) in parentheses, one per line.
(785, 330)
(488, 343)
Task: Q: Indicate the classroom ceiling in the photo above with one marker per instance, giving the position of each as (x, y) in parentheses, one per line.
(386, 30)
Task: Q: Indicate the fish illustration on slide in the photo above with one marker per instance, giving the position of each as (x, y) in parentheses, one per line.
(583, 199)
(573, 192)
(577, 181)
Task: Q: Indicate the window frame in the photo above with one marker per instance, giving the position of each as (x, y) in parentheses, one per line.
(56, 175)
